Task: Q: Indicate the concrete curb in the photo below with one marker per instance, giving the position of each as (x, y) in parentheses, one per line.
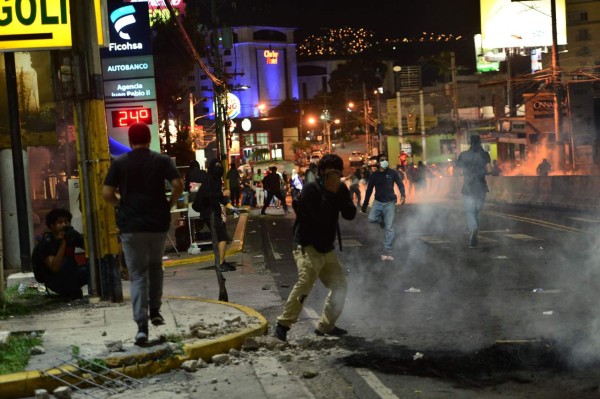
(235, 247)
(24, 384)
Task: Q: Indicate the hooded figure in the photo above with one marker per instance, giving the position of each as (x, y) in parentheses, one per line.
(210, 194)
(475, 163)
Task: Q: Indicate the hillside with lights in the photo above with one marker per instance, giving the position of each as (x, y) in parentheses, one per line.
(360, 42)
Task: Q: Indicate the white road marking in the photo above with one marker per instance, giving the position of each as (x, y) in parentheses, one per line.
(434, 240)
(523, 237)
(375, 384)
(351, 243)
(585, 220)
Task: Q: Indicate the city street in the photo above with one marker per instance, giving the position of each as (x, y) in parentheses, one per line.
(513, 318)
(516, 309)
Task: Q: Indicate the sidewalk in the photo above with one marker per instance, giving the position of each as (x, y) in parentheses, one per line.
(200, 327)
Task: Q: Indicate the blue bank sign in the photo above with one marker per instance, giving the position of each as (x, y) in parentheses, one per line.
(129, 29)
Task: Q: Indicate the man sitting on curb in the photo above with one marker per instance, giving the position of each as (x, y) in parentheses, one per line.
(56, 252)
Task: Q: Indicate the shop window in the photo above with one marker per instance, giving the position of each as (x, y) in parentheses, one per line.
(248, 140)
(262, 138)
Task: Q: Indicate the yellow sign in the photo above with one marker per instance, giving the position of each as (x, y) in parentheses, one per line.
(34, 25)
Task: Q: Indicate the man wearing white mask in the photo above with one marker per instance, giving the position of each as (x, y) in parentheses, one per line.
(383, 208)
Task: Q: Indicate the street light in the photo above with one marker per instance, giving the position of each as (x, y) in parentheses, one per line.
(397, 69)
(378, 93)
(327, 127)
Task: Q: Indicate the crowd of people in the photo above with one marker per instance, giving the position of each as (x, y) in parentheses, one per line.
(135, 184)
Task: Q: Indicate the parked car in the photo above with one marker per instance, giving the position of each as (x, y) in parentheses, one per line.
(357, 158)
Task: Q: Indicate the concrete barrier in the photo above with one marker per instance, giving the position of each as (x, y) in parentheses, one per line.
(580, 193)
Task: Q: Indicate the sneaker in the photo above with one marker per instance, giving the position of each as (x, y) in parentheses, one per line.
(227, 267)
(156, 318)
(334, 332)
(387, 258)
(382, 224)
(141, 338)
(281, 332)
(473, 239)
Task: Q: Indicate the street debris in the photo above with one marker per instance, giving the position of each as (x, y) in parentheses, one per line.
(548, 313)
(501, 257)
(543, 291)
(412, 289)
(418, 356)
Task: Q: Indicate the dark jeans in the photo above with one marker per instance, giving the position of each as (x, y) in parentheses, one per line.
(69, 280)
(279, 195)
(235, 196)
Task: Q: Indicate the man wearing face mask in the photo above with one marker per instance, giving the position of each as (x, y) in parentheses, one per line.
(208, 203)
(383, 208)
(315, 231)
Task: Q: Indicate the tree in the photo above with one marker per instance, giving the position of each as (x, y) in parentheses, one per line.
(172, 61)
(416, 148)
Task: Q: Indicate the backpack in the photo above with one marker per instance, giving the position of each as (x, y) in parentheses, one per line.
(37, 263)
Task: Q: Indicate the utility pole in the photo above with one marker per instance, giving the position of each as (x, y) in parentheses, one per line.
(559, 156)
(366, 111)
(379, 124)
(454, 92)
(219, 90)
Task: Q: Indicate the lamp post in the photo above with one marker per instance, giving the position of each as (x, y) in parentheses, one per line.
(378, 93)
(396, 70)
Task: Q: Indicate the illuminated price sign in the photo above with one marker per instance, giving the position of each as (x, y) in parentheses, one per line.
(125, 117)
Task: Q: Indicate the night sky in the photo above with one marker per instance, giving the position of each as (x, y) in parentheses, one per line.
(391, 17)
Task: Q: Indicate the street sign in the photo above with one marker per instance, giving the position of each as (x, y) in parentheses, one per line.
(129, 89)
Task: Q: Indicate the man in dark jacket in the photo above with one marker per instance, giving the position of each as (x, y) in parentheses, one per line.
(272, 183)
(315, 230)
(383, 209)
(475, 164)
(209, 198)
(193, 178)
(233, 178)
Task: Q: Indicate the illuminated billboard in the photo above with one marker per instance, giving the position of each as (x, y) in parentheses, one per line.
(506, 23)
(487, 60)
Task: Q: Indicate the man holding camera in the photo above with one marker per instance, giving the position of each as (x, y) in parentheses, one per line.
(62, 274)
(317, 212)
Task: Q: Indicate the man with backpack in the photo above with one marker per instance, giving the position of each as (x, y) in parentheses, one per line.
(315, 230)
(135, 184)
(53, 258)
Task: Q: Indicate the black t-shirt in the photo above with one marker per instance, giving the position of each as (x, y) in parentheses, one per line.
(140, 177)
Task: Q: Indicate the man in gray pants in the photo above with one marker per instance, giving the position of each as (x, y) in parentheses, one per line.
(135, 183)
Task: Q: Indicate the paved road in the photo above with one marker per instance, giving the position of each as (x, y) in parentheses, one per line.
(528, 289)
